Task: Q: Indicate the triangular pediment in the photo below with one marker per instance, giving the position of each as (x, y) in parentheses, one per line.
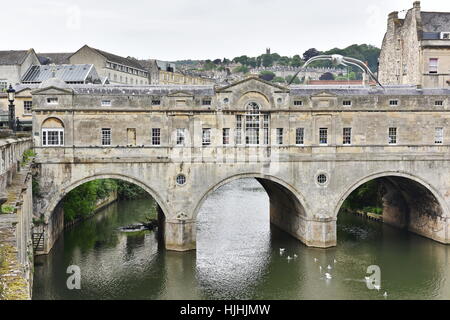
(324, 94)
(181, 94)
(52, 90)
(257, 81)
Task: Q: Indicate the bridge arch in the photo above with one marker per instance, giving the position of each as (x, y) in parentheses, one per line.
(409, 202)
(267, 181)
(64, 190)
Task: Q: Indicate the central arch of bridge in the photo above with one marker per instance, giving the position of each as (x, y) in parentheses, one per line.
(288, 208)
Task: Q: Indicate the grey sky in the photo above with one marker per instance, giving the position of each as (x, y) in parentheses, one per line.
(198, 29)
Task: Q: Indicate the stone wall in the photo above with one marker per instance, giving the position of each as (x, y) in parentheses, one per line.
(16, 242)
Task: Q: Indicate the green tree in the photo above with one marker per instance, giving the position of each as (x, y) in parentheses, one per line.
(267, 60)
(267, 75)
(279, 80)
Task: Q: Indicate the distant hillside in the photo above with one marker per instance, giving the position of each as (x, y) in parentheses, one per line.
(363, 52)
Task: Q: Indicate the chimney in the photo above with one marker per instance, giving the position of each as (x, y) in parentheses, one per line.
(416, 5)
(393, 15)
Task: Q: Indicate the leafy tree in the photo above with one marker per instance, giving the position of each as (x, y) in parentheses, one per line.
(326, 76)
(267, 75)
(296, 61)
(267, 60)
(279, 80)
(296, 80)
(217, 61)
(308, 54)
(241, 69)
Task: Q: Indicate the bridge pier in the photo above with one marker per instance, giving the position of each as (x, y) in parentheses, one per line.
(180, 235)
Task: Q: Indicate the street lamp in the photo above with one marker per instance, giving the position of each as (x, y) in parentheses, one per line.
(12, 112)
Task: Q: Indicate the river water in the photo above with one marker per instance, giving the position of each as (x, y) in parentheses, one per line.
(238, 257)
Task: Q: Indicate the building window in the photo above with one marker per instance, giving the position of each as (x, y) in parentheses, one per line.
(156, 102)
(53, 136)
(27, 105)
(393, 102)
(106, 103)
(439, 103)
(439, 135)
(298, 103)
(300, 136)
(206, 102)
(392, 136)
(433, 65)
(266, 129)
(252, 124)
(206, 136)
(323, 136)
(181, 137)
(106, 136)
(156, 136)
(226, 136)
(347, 103)
(52, 100)
(279, 135)
(3, 85)
(322, 179)
(238, 129)
(347, 136)
(181, 179)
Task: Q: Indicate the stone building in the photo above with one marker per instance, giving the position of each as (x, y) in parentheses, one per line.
(14, 64)
(23, 105)
(117, 69)
(416, 49)
(309, 147)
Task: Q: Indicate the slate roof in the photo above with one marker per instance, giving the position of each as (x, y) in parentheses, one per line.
(159, 90)
(55, 58)
(130, 62)
(67, 73)
(12, 57)
(435, 21)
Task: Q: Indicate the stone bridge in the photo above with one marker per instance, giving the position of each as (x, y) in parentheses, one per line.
(308, 146)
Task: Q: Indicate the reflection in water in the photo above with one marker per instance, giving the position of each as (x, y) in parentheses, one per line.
(238, 257)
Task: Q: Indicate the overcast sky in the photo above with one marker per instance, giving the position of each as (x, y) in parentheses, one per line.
(198, 29)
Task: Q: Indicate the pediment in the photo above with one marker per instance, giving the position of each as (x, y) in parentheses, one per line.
(253, 80)
(324, 94)
(52, 91)
(180, 94)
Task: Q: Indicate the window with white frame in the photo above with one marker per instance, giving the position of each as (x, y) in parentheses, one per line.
(438, 103)
(433, 65)
(392, 136)
(106, 103)
(206, 102)
(206, 136)
(393, 102)
(52, 100)
(238, 129)
(106, 136)
(279, 135)
(27, 105)
(156, 136)
(226, 136)
(252, 118)
(3, 85)
(181, 137)
(53, 137)
(298, 103)
(439, 135)
(347, 136)
(300, 136)
(347, 103)
(323, 136)
(266, 129)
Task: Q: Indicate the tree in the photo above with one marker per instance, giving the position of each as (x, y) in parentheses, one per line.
(327, 76)
(267, 60)
(296, 61)
(267, 75)
(279, 80)
(296, 80)
(241, 69)
(308, 54)
(217, 61)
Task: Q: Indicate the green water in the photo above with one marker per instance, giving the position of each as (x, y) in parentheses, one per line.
(238, 257)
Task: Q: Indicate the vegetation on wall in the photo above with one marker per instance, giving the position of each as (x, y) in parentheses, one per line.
(81, 202)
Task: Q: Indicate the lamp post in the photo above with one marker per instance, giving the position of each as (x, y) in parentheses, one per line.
(12, 112)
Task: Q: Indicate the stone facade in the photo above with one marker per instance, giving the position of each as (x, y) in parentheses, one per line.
(14, 64)
(294, 140)
(412, 46)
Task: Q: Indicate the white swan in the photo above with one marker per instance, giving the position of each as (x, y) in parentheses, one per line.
(328, 276)
(329, 267)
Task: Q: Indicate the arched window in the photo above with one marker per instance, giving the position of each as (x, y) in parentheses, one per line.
(252, 123)
(52, 133)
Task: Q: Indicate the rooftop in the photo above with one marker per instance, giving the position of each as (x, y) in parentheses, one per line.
(67, 73)
(55, 58)
(130, 62)
(435, 21)
(12, 57)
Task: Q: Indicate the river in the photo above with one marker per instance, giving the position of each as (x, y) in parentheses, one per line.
(238, 257)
